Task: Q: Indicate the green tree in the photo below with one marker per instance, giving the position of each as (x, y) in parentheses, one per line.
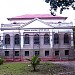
(62, 4)
(35, 60)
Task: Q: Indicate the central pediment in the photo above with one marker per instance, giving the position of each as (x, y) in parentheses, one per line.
(36, 23)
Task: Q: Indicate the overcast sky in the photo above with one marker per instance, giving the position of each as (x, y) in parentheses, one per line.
(12, 8)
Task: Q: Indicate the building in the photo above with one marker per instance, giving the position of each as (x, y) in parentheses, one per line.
(45, 35)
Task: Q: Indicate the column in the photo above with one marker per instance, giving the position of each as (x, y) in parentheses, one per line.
(21, 39)
(51, 39)
(72, 39)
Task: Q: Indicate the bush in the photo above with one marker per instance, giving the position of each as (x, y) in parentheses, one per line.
(1, 61)
(35, 60)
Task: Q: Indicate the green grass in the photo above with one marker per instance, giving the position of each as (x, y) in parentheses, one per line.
(23, 69)
(16, 69)
(12, 68)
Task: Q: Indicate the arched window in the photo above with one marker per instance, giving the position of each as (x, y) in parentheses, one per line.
(7, 39)
(36, 39)
(66, 38)
(56, 38)
(26, 39)
(17, 39)
(0, 38)
(46, 39)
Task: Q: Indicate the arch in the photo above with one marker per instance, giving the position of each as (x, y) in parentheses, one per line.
(7, 39)
(56, 38)
(0, 38)
(36, 39)
(26, 39)
(66, 38)
(46, 39)
(17, 39)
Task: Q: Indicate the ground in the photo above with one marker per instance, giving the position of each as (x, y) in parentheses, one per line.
(45, 68)
(67, 63)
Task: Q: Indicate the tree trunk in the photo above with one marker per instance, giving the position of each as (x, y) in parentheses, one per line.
(34, 68)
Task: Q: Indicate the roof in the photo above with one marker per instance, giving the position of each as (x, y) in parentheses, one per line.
(40, 16)
(37, 24)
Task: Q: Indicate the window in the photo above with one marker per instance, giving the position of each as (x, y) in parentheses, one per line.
(36, 39)
(0, 38)
(26, 53)
(66, 38)
(17, 39)
(56, 38)
(16, 53)
(46, 53)
(74, 39)
(56, 53)
(46, 39)
(7, 39)
(36, 52)
(26, 39)
(6, 53)
(66, 52)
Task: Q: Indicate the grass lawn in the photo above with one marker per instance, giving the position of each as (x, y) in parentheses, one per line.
(19, 68)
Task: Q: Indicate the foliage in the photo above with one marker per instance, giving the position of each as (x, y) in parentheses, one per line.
(1, 61)
(35, 60)
(62, 4)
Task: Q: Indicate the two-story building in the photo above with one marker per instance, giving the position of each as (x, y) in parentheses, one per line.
(45, 35)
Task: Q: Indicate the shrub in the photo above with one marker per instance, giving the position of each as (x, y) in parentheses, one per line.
(35, 60)
(1, 61)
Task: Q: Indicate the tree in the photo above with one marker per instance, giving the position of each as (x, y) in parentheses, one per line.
(35, 60)
(62, 4)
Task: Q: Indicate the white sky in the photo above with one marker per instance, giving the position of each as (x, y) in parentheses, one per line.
(12, 8)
